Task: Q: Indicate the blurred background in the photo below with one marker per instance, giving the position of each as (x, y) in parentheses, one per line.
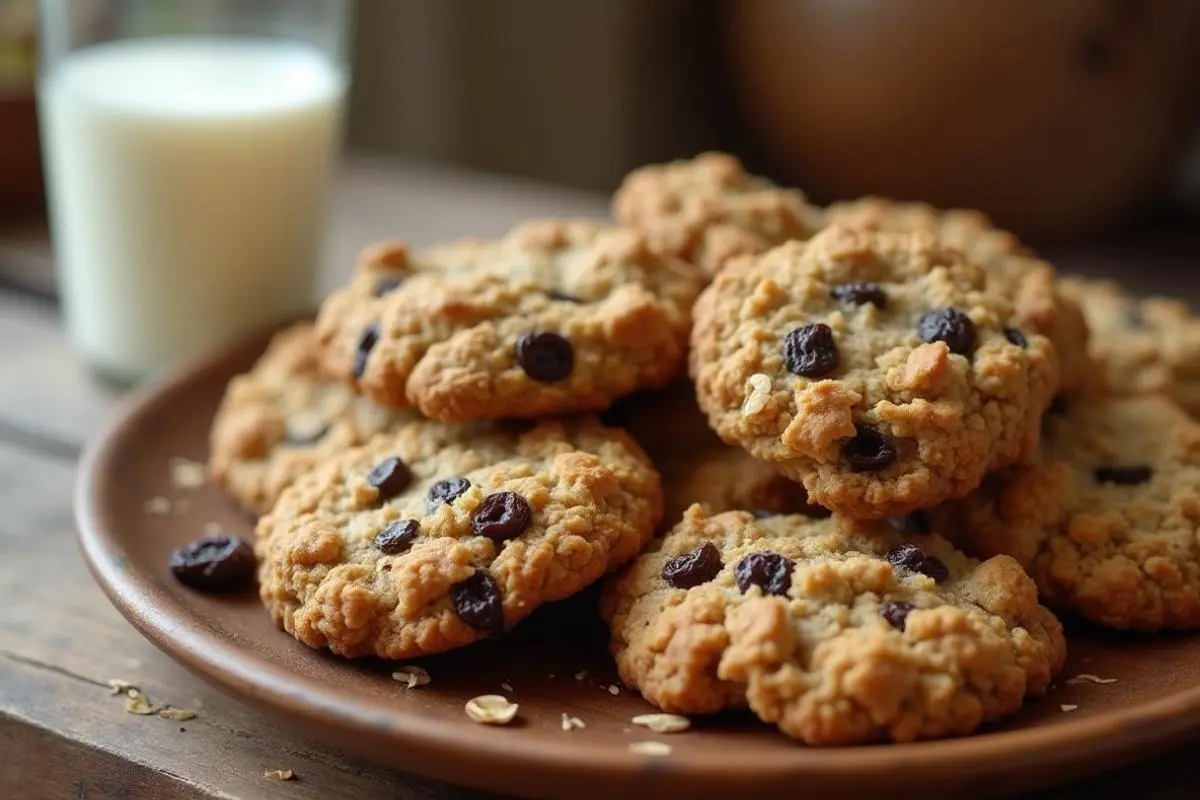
(1065, 120)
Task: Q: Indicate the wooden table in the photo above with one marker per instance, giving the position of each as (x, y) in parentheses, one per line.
(62, 735)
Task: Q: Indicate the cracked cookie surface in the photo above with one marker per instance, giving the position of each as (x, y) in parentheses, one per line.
(836, 631)
(708, 209)
(1142, 345)
(435, 536)
(1107, 520)
(878, 369)
(555, 317)
(282, 418)
(1039, 302)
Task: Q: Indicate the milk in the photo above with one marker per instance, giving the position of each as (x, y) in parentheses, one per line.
(188, 180)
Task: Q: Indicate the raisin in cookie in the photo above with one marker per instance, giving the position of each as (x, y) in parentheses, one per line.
(697, 467)
(708, 209)
(555, 317)
(879, 369)
(435, 536)
(1038, 301)
(282, 418)
(1142, 345)
(836, 631)
(1107, 521)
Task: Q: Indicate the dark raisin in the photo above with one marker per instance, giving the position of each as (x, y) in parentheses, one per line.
(764, 513)
(917, 522)
(366, 343)
(397, 537)
(810, 350)
(948, 325)
(501, 516)
(214, 564)
(477, 602)
(390, 476)
(545, 357)
(445, 491)
(566, 297)
(860, 294)
(911, 557)
(935, 568)
(387, 285)
(770, 572)
(1016, 337)
(1124, 476)
(694, 568)
(896, 613)
(869, 450)
(1058, 405)
(906, 556)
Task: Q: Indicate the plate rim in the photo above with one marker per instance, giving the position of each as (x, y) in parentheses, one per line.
(1119, 736)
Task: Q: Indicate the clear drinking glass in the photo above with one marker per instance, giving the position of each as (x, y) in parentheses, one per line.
(189, 146)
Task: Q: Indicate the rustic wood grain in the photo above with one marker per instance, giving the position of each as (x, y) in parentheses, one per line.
(60, 642)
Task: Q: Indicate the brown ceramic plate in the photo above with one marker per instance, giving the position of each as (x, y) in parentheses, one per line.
(556, 664)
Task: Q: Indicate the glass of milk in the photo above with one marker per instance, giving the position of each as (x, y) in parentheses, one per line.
(189, 146)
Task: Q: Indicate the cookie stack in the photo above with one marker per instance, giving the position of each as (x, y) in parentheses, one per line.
(897, 441)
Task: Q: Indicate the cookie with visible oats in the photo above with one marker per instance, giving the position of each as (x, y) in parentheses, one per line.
(697, 467)
(435, 536)
(1040, 304)
(555, 317)
(282, 418)
(881, 370)
(708, 209)
(1107, 520)
(838, 632)
(1143, 345)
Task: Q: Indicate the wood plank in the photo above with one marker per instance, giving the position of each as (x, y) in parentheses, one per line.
(60, 641)
(43, 390)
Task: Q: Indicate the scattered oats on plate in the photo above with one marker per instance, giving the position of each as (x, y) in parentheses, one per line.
(411, 676)
(650, 748)
(663, 723)
(491, 709)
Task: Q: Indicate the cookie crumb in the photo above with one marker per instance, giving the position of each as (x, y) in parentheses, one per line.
(117, 686)
(506, 686)
(411, 676)
(188, 474)
(758, 395)
(138, 703)
(614, 690)
(663, 723)
(157, 506)
(581, 675)
(491, 709)
(176, 714)
(280, 775)
(1088, 678)
(1066, 707)
(650, 749)
(570, 723)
